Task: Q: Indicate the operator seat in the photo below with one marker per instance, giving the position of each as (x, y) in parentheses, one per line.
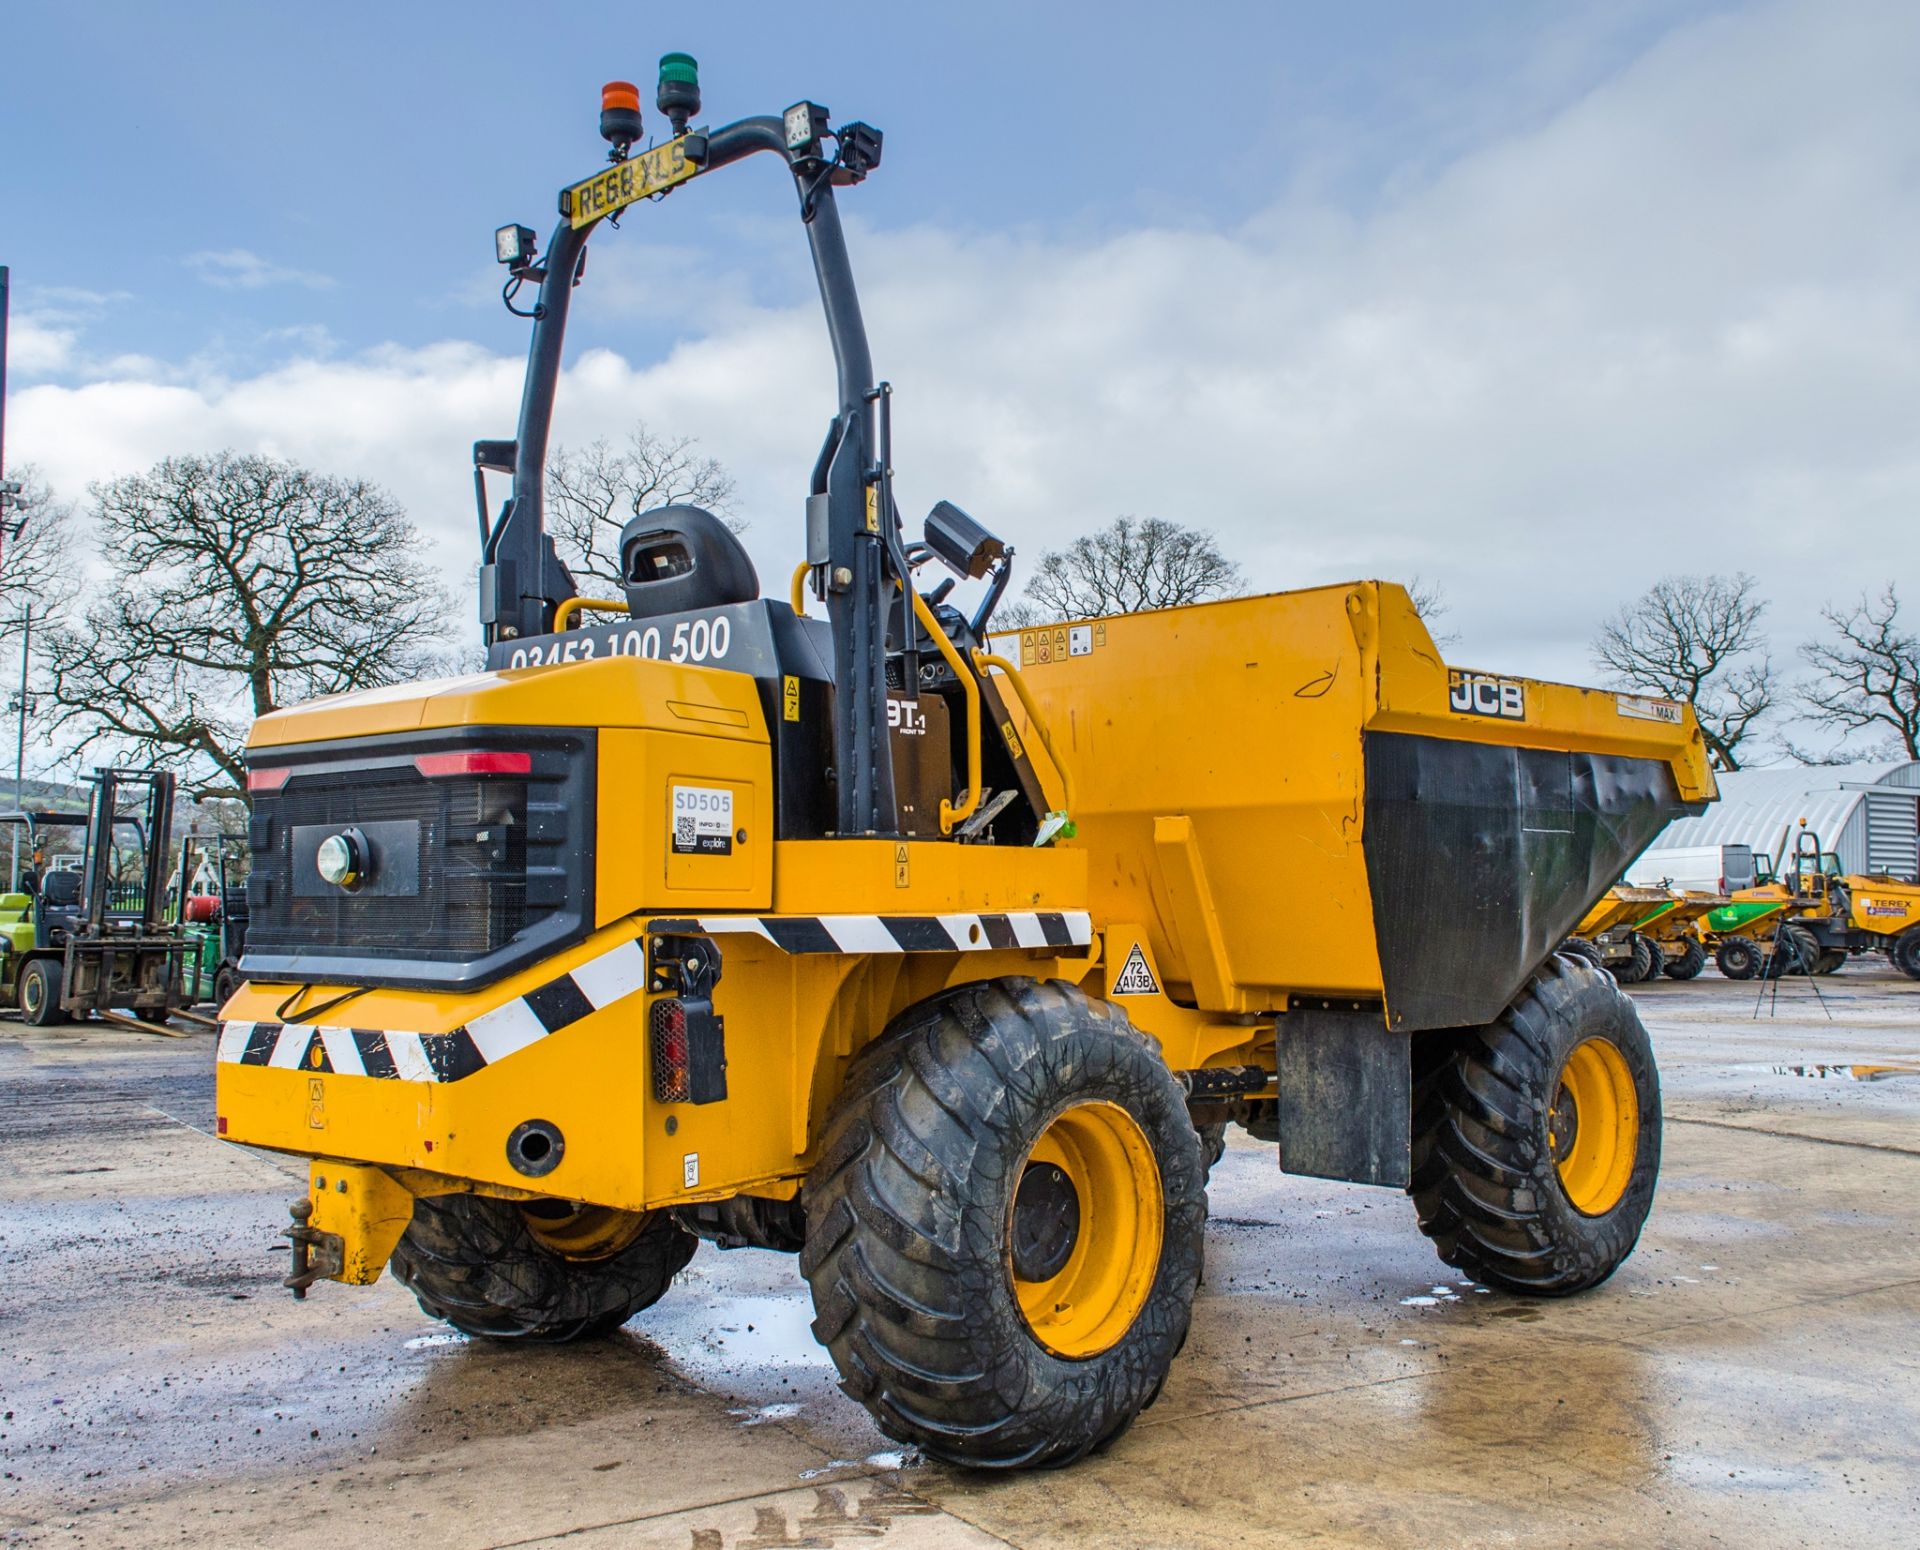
(677, 558)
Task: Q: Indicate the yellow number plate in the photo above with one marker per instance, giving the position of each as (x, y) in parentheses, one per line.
(639, 177)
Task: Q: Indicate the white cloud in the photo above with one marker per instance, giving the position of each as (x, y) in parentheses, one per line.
(1674, 327)
(238, 269)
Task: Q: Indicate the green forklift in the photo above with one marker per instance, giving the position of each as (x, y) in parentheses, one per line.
(95, 940)
(212, 906)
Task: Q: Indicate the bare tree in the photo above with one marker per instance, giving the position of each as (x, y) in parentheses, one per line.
(36, 558)
(1869, 674)
(240, 584)
(1127, 566)
(1430, 603)
(593, 490)
(1698, 639)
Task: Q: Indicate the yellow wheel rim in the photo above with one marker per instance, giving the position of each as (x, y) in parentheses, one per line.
(580, 1232)
(1084, 1230)
(1593, 1126)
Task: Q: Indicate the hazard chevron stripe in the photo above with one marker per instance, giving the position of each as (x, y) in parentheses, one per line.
(397, 1055)
(897, 933)
(442, 1057)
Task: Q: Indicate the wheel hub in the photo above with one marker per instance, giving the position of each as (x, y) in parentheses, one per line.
(1563, 1124)
(1593, 1126)
(1084, 1229)
(1046, 1222)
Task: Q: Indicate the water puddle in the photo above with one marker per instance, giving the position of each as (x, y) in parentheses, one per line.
(748, 1334)
(784, 1411)
(899, 1458)
(1436, 1296)
(1846, 1073)
(446, 1339)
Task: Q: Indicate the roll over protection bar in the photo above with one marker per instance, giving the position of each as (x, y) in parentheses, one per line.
(523, 583)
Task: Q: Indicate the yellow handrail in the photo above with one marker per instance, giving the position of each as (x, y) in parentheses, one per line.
(563, 616)
(800, 588)
(949, 814)
(986, 659)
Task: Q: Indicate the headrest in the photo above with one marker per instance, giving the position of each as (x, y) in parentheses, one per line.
(677, 558)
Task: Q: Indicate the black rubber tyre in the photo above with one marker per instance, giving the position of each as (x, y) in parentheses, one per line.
(226, 980)
(1905, 953)
(1795, 951)
(39, 993)
(1688, 962)
(1213, 1144)
(1737, 958)
(1656, 957)
(1579, 947)
(1832, 961)
(1486, 1185)
(911, 1220)
(477, 1263)
(1639, 965)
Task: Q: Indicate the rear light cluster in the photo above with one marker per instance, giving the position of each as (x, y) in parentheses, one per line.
(435, 766)
(438, 766)
(672, 1076)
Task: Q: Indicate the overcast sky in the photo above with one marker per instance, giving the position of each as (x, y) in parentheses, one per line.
(1539, 302)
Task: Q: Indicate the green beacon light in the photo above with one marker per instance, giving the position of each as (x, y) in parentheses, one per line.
(679, 93)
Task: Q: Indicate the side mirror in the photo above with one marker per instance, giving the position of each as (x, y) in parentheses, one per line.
(966, 547)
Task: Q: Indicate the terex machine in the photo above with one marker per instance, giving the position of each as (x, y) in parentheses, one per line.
(822, 923)
(1811, 917)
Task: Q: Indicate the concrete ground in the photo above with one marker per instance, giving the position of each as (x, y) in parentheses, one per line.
(1750, 1377)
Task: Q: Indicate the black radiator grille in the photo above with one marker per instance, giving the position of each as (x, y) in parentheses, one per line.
(499, 872)
(467, 905)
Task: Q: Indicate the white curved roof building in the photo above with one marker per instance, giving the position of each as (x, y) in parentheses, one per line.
(1869, 813)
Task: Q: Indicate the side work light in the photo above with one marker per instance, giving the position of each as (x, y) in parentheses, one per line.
(514, 245)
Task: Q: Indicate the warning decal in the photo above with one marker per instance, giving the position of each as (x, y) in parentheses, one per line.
(1135, 978)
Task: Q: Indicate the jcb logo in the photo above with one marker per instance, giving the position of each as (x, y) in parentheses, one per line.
(1480, 694)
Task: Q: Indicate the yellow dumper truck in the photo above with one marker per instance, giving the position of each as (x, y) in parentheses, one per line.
(1810, 917)
(831, 922)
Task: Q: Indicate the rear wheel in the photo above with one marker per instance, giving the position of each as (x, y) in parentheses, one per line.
(1004, 1227)
(39, 992)
(1639, 966)
(1656, 956)
(1537, 1138)
(545, 1271)
(1832, 961)
(1688, 962)
(1795, 951)
(1737, 958)
(225, 983)
(1905, 953)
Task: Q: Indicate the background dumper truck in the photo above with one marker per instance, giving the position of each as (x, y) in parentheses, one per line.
(832, 923)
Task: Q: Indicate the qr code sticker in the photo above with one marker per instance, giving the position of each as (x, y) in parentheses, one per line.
(683, 832)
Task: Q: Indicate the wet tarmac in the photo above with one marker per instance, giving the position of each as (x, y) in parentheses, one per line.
(1750, 1377)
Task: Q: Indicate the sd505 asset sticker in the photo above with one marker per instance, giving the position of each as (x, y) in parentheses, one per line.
(702, 821)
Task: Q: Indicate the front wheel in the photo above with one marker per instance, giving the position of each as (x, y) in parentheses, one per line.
(1004, 1227)
(544, 1271)
(39, 992)
(1537, 1138)
(1737, 958)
